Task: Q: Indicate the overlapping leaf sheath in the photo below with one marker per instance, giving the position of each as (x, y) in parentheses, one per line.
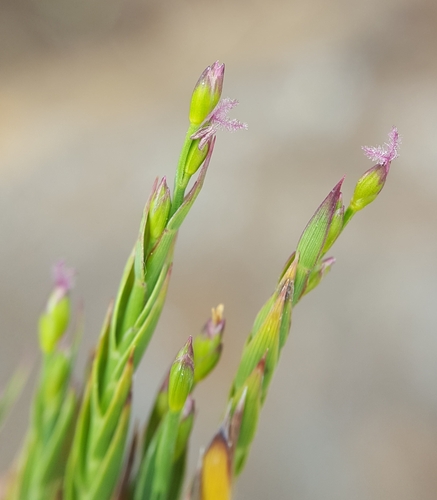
(99, 440)
(42, 461)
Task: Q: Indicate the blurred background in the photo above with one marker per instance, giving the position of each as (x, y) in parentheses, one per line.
(93, 106)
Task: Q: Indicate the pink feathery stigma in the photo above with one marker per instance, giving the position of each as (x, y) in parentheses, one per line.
(63, 277)
(217, 120)
(384, 155)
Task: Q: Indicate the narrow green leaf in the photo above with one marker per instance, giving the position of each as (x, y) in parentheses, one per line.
(145, 332)
(124, 290)
(103, 429)
(53, 462)
(164, 456)
(76, 466)
(177, 477)
(12, 391)
(103, 483)
(146, 472)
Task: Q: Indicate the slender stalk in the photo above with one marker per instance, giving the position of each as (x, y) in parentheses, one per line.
(182, 180)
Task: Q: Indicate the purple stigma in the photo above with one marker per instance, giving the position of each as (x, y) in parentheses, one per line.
(384, 155)
(63, 276)
(217, 120)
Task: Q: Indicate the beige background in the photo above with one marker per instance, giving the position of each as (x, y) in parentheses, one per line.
(93, 104)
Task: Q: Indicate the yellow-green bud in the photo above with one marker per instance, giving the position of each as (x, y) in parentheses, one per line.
(195, 157)
(52, 325)
(181, 377)
(206, 93)
(369, 186)
(54, 321)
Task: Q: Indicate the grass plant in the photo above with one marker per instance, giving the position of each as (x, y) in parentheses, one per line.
(77, 445)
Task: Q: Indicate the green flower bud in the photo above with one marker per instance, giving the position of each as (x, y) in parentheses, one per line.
(206, 93)
(54, 321)
(208, 345)
(52, 325)
(369, 186)
(181, 377)
(195, 157)
(159, 209)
